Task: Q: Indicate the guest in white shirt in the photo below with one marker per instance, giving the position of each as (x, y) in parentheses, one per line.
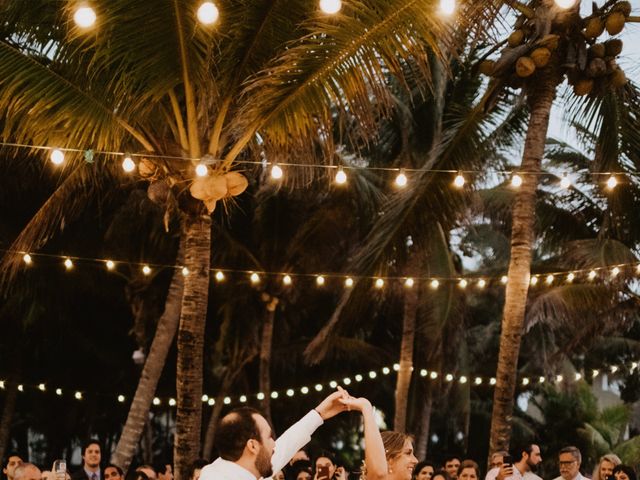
(248, 449)
(525, 462)
(569, 460)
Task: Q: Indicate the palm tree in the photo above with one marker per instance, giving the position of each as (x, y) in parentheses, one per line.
(260, 83)
(548, 45)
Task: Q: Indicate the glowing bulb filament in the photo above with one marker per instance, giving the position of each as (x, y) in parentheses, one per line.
(276, 172)
(516, 181)
(208, 13)
(341, 177)
(459, 181)
(401, 179)
(330, 6)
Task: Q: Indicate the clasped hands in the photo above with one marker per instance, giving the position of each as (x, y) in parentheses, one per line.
(341, 401)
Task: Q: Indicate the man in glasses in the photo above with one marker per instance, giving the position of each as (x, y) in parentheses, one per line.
(569, 460)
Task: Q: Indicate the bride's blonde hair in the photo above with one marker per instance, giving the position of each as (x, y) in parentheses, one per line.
(393, 445)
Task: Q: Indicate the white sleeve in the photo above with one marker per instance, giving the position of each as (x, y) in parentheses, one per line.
(296, 437)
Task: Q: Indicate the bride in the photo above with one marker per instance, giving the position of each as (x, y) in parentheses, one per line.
(387, 455)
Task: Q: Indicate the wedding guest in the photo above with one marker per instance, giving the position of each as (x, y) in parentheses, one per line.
(91, 457)
(605, 466)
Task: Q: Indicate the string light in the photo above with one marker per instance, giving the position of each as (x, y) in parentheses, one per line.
(128, 165)
(482, 283)
(516, 181)
(341, 177)
(21, 388)
(42, 387)
(320, 280)
(346, 381)
(570, 277)
(243, 398)
(358, 377)
(304, 390)
(595, 373)
(26, 258)
(534, 281)
(274, 395)
(286, 280)
(525, 381)
(578, 376)
(330, 6)
(592, 274)
(276, 172)
(348, 282)
(255, 278)
(78, 395)
(68, 264)
(121, 398)
(84, 17)
(449, 377)
(372, 374)
(492, 381)
(435, 284)
(386, 371)
(433, 375)
(542, 380)
(615, 272)
(478, 381)
(463, 380)
(202, 170)
(565, 182)
(208, 13)
(409, 282)
(504, 279)
(185, 271)
(146, 270)
(57, 156)
(401, 180)
(219, 276)
(549, 279)
(463, 283)
(59, 392)
(379, 283)
(172, 402)
(459, 181)
(612, 182)
(559, 378)
(447, 7)
(156, 401)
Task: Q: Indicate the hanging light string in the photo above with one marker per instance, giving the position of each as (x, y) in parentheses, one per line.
(57, 157)
(527, 382)
(610, 272)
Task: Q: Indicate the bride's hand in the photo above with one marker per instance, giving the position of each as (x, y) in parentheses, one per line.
(359, 404)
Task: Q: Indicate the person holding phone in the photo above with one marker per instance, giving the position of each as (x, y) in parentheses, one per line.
(521, 466)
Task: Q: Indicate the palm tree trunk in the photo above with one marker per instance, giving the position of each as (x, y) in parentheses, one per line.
(11, 393)
(162, 340)
(403, 381)
(422, 439)
(540, 97)
(197, 252)
(265, 354)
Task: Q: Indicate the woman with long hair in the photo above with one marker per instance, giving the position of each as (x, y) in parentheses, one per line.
(387, 455)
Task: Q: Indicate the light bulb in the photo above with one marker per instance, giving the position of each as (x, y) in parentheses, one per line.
(482, 283)
(276, 172)
(121, 398)
(211, 402)
(435, 284)
(286, 280)
(612, 182)
(571, 277)
(348, 282)
(255, 278)
(227, 400)
(320, 280)
(447, 7)
(341, 177)
(185, 271)
(84, 17)
(401, 180)
(559, 378)
(372, 374)
(433, 375)
(565, 3)
(156, 401)
(208, 13)
(260, 396)
(459, 181)
(592, 274)
(379, 283)
(534, 280)
(202, 170)
(219, 276)
(504, 279)
(290, 392)
(516, 181)
(541, 379)
(478, 381)
(318, 387)
(448, 377)
(463, 379)
(409, 282)
(128, 165)
(330, 6)
(146, 269)
(463, 283)
(565, 182)
(346, 381)
(549, 279)
(578, 376)
(172, 402)
(68, 264)
(615, 272)
(525, 381)
(42, 387)
(57, 156)
(205, 398)
(304, 390)
(110, 264)
(26, 258)
(492, 381)
(243, 399)
(386, 371)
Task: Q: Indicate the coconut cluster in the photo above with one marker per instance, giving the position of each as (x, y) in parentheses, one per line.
(540, 34)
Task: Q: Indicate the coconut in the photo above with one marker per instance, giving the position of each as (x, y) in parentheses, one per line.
(594, 28)
(618, 79)
(487, 67)
(597, 51)
(597, 68)
(551, 41)
(516, 38)
(613, 47)
(623, 7)
(146, 168)
(541, 56)
(236, 183)
(210, 187)
(584, 86)
(525, 67)
(615, 23)
(158, 192)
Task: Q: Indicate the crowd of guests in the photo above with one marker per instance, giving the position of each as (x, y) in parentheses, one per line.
(249, 451)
